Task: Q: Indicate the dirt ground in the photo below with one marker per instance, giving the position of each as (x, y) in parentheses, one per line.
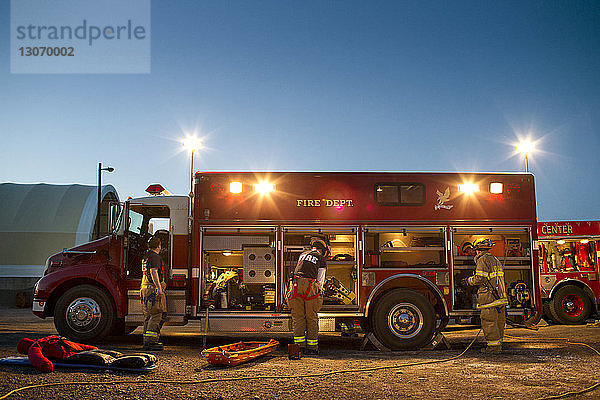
(528, 369)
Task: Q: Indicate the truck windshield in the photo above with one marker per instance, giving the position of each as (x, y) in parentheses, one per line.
(135, 222)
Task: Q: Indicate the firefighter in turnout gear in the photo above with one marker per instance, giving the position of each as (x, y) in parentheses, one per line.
(491, 295)
(306, 295)
(152, 293)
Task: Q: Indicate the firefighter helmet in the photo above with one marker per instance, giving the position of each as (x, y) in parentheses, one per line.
(466, 247)
(321, 245)
(483, 244)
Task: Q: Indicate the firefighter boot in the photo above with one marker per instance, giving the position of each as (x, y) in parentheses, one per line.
(492, 349)
(158, 346)
(311, 351)
(151, 342)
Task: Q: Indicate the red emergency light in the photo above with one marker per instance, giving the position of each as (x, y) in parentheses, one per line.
(157, 189)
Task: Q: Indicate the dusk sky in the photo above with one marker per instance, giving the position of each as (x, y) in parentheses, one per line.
(326, 85)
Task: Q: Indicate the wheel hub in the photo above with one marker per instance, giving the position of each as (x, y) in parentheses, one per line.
(573, 305)
(405, 320)
(569, 306)
(83, 314)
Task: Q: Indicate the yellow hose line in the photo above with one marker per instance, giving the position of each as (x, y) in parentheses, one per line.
(239, 378)
(567, 341)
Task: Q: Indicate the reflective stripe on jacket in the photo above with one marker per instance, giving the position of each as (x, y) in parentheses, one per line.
(489, 274)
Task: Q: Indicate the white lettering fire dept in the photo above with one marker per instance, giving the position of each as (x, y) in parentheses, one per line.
(324, 203)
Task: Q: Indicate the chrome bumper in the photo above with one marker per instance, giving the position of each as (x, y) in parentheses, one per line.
(38, 305)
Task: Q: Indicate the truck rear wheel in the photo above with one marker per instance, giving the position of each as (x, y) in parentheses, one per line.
(403, 319)
(84, 313)
(570, 305)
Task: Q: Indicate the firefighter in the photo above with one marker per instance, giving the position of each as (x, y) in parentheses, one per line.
(491, 295)
(152, 293)
(306, 295)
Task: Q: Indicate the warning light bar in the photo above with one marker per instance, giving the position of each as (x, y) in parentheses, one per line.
(157, 190)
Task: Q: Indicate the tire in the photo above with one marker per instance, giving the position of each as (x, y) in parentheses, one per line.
(570, 306)
(403, 319)
(84, 313)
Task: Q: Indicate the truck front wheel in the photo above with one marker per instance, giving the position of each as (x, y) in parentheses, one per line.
(403, 319)
(84, 313)
(570, 305)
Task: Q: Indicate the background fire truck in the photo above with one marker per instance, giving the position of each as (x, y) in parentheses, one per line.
(399, 244)
(569, 254)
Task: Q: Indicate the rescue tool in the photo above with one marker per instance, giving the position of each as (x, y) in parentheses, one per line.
(238, 353)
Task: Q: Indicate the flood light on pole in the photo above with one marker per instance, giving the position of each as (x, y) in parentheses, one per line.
(525, 148)
(191, 144)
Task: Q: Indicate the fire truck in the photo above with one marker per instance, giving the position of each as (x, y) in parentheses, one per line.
(568, 257)
(399, 251)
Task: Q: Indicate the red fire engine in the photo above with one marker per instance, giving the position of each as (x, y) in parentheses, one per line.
(568, 256)
(399, 245)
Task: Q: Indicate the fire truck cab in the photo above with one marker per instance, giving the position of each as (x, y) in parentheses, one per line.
(399, 250)
(568, 257)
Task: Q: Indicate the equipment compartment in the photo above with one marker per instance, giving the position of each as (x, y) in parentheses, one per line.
(239, 271)
(513, 249)
(340, 286)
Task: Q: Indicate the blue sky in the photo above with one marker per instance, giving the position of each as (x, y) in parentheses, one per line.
(322, 85)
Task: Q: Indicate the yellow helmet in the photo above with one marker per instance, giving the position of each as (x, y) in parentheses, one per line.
(321, 245)
(483, 244)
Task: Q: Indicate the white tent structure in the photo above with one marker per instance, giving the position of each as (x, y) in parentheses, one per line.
(38, 220)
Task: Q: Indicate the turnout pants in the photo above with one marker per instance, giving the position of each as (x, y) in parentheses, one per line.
(492, 322)
(305, 301)
(154, 308)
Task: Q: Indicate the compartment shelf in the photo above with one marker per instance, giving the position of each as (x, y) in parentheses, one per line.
(397, 249)
(468, 258)
(472, 266)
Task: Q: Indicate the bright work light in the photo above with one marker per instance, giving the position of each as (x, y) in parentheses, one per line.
(560, 242)
(468, 188)
(496, 187)
(235, 187)
(264, 187)
(525, 147)
(192, 143)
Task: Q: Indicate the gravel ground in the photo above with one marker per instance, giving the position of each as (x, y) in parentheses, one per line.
(528, 369)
